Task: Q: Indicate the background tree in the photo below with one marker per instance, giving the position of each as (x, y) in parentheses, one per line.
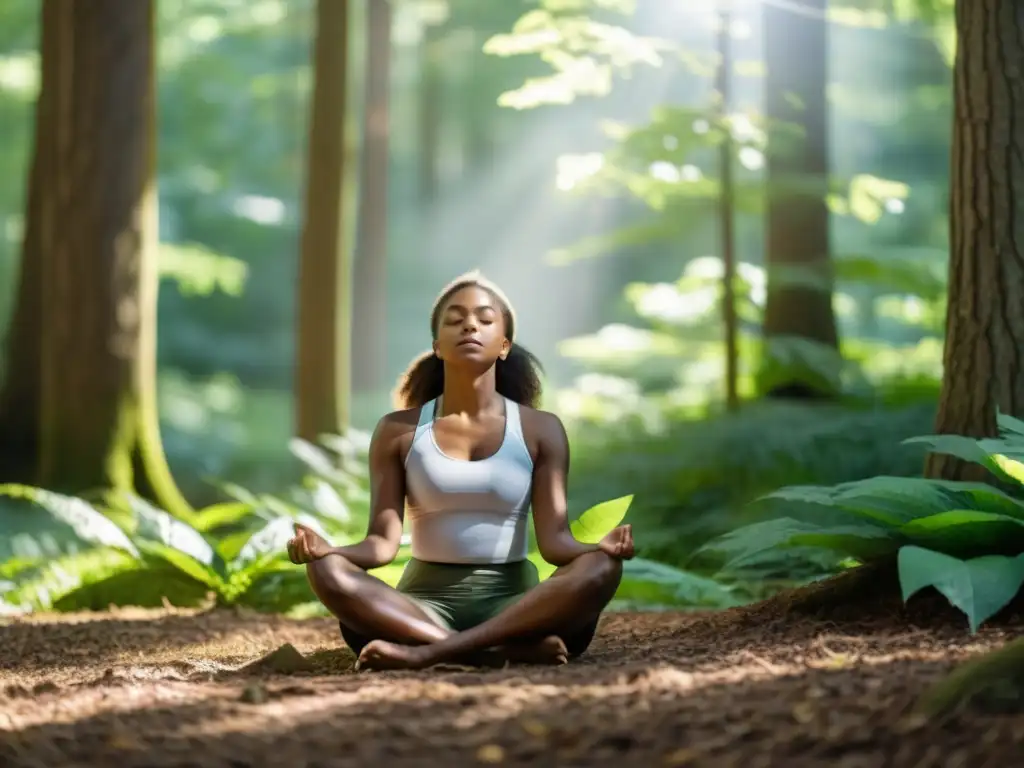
(984, 348)
(370, 280)
(799, 300)
(20, 388)
(92, 234)
(323, 364)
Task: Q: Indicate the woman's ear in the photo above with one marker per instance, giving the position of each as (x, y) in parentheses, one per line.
(435, 347)
(506, 347)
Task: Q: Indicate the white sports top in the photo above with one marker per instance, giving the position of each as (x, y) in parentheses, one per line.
(463, 511)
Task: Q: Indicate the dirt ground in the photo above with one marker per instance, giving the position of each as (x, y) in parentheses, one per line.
(759, 686)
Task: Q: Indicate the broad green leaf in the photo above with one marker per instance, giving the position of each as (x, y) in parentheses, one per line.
(219, 515)
(329, 503)
(863, 541)
(679, 586)
(147, 587)
(1009, 467)
(598, 521)
(88, 523)
(1010, 426)
(276, 589)
(966, 531)
(158, 526)
(160, 553)
(317, 460)
(979, 587)
(968, 449)
(894, 501)
(42, 586)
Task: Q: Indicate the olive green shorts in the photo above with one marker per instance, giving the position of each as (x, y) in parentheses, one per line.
(458, 597)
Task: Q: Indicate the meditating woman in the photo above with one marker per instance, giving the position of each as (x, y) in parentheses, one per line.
(469, 455)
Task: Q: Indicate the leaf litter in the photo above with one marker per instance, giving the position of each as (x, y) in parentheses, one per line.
(781, 683)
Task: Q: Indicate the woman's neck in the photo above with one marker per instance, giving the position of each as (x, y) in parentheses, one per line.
(470, 396)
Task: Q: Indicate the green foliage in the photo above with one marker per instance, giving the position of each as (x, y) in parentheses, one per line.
(598, 521)
(699, 470)
(585, 51)
(138, 554)
(979, 587)
(152, 558)
(963, 538)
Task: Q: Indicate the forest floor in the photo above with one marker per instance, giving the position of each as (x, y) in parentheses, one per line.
(765, 685)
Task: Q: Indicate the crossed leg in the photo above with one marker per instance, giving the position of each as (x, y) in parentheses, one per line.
(571, 599)
(371, 608)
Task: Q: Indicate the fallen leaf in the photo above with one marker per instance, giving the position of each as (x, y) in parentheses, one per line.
(490, 753)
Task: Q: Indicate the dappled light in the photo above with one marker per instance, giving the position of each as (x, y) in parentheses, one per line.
(768, 437)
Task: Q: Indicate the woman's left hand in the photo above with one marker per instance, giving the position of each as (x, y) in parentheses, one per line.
(618, 543)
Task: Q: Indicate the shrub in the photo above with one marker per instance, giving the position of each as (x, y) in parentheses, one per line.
(965, 539)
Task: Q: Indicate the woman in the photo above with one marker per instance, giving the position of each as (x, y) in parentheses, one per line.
(470, 455)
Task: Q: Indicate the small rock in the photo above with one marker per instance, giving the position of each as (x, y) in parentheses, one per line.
(254, 694)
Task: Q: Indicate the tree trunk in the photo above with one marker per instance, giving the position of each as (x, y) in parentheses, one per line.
(20, 415)
(323, 377)
(478, 110)
(429, 114)
(97, 230)
(799, 301)
(984, 351)
(369, 300)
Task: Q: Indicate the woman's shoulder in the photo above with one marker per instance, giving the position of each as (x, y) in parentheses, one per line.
(541, 425)
(399, 420)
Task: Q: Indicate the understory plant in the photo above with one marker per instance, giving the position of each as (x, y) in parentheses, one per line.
(133, 553)
(965, 539)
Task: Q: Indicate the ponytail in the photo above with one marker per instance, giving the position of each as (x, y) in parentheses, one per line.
(517, 377)
(422, 382)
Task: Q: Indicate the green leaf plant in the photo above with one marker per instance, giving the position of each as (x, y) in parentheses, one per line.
(964, 539)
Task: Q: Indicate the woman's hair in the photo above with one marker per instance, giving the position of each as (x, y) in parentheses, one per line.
(517, 376)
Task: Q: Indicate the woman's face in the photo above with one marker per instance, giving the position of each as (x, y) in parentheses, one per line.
(471, 329)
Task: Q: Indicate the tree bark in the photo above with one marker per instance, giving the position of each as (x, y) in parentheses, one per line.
(984, 350)
(20, 416)
(799, 301)
(97, 231)
(429, 114)
(323, 377)
(369, 299)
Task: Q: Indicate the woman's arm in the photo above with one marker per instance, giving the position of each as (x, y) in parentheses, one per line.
(550, 507)
(387, 499)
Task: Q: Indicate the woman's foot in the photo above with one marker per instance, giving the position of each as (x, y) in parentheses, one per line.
(550, 651)
(380, 654)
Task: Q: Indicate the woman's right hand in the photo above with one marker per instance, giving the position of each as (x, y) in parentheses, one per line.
(307, 546)
(618, 543)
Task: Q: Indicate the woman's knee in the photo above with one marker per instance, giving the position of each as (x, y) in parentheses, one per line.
(332, 576)
(602, 571)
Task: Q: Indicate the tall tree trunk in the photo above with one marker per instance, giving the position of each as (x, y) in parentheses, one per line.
(323, 371)
(726, 210)
(20, 416)
(369, 300)
(429, 114)
(799, 302)
(984, 352)
(97, 234)
(478, 110)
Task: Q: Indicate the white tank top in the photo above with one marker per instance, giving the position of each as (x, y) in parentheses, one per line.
(472, 512)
